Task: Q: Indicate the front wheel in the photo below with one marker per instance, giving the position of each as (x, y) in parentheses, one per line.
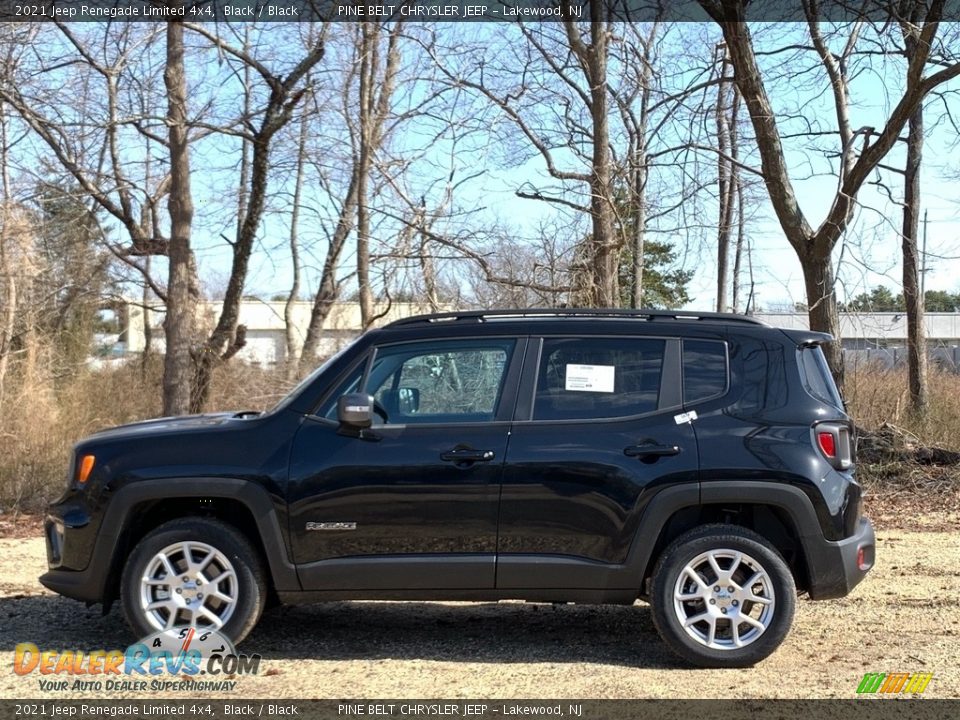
(722, 597)
(193, 572)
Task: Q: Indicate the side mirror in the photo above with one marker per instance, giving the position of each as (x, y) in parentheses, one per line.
(409, 400)
(355, 410)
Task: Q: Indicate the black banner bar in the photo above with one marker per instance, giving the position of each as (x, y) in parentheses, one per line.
(446, 10)
(201, 709)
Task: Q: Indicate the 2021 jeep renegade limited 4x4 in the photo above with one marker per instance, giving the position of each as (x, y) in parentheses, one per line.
(699, 462)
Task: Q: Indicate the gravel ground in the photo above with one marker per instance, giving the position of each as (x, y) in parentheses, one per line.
(904, 617)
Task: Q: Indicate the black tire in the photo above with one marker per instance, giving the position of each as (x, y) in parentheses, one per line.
(776, 616)
(251, 586)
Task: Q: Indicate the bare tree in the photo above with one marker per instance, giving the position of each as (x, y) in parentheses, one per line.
(292, 340)
(373, 66)
(605, 248)
(660, 183)
(182, 290)
(728, 175)
(13, 240)
(328, 287)
(90, 152)
(814, 246)
(534, 275)
(377, 79)
(639, 58)
(285, 93)
(564, 70)
(912, 295)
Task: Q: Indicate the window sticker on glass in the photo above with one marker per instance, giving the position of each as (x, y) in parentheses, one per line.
(590, 378)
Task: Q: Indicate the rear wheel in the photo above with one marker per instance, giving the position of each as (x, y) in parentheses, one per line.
(193, 572)
(722, 597)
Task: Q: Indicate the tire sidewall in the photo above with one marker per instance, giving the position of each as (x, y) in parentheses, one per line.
(685, 549)
(224, 538)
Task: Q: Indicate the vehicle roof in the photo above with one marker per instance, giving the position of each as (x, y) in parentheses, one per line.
(592, 321)
(560, 314)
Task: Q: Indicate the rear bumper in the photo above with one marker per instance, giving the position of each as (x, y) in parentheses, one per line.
(838, 567)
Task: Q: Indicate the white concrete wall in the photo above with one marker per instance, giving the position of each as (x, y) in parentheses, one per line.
(266, 334)
(266, 330)
(884, 326)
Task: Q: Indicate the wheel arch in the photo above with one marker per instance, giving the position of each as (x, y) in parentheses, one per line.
(781, 514)
(138, 508)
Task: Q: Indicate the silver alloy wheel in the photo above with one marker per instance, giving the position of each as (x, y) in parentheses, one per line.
(724, 599)
(188, 584)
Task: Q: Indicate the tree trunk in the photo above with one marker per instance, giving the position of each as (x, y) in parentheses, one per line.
(724, 185)
(8, 280)
(368, 72)
(229, 336)
(427, 267)
(242, 189)
(814, 247)
(822, 310)
(738, 251)
(606, 249)
(179, 323)
(9, 284)
(639, 228)
(328, 290)
(374, 109)
(147, 329)
(913, 298)
(638, 156)
(288, 319)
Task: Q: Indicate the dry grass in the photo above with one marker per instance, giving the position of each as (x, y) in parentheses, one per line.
(899, 487)
(879, 397)
(41, 420)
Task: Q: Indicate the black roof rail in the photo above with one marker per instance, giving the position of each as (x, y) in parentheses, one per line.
(546, 313)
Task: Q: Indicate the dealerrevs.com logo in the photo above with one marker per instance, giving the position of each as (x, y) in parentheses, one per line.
(187, 659)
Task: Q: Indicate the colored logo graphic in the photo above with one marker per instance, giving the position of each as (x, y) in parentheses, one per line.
(184, 653)
(894, 683)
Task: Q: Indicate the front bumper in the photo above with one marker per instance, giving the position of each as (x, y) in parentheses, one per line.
(78, 559)
(837, 567)
(77, 584)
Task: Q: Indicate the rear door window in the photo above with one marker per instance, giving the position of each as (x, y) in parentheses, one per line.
(593, 378)
(704, 369)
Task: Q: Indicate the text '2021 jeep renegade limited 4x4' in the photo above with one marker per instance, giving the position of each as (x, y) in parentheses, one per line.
(699, 462)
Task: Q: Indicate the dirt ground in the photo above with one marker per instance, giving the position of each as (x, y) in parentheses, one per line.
(904, 617)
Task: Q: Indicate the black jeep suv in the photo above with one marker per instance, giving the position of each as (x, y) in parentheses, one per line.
(699, 462)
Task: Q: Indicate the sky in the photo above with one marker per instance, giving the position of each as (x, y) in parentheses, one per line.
(868, 255)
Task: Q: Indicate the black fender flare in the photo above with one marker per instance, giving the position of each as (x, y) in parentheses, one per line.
(116, 522)
(791, 500)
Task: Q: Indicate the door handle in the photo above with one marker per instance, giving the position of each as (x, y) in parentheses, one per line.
(467, 455)
(649, 452)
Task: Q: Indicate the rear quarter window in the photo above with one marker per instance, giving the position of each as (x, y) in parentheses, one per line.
(816, 377)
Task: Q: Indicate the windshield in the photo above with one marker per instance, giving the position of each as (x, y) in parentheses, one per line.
(311, 377)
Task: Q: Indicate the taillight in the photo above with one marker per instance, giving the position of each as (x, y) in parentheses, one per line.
(828, 445)
(84, 468)
(833, 441)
